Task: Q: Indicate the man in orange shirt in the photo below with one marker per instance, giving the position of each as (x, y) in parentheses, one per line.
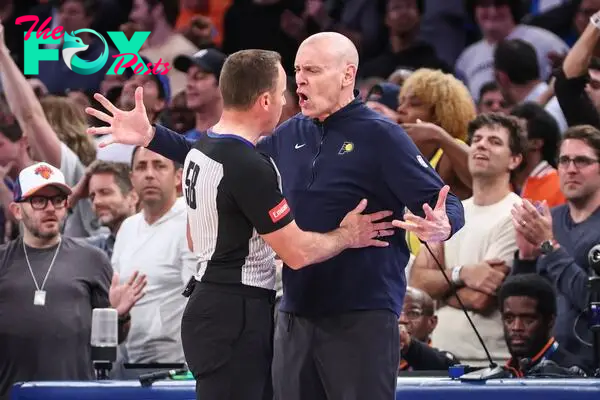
(538, 181)
(213, 9)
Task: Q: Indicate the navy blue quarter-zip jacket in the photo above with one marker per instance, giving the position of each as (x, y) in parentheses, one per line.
(326, 169)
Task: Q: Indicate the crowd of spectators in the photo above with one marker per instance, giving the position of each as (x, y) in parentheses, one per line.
(502, 98)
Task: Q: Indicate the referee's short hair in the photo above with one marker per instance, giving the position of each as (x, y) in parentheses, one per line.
(246, 75)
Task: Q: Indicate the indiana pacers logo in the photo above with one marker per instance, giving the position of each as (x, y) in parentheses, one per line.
(347, 147)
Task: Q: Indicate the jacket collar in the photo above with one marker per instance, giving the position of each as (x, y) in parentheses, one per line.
(544, 354)
(344, 112)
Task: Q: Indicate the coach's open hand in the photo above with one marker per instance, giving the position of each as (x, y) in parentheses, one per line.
(126, 127)
(435, 227)
(362, 230)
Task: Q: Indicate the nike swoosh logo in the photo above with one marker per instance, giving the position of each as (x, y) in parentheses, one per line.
(299, 145)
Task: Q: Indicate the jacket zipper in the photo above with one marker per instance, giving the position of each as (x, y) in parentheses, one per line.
(314, 162)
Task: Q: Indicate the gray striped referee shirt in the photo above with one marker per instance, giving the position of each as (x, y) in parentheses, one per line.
(233, 195)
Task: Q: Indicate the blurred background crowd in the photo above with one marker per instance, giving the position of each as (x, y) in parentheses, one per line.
(433, 66)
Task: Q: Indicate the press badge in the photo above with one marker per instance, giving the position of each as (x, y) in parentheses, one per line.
(39, 298)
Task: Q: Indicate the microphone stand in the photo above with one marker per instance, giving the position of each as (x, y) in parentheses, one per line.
(104, 341)
(103, 369)
(594, 317)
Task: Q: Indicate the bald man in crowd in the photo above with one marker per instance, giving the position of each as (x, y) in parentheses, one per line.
(418, 314)
(417, 322)
(346, 309)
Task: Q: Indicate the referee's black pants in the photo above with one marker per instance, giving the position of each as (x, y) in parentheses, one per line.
(227, 336)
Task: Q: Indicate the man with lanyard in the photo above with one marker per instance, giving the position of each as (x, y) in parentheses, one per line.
(49, 285)
(527, 303)
(237, 216)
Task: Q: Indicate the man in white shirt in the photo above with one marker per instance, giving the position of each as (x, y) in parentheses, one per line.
(517, 72)
(478, 257)
(164, 43)
(154, 241)
(498, 20)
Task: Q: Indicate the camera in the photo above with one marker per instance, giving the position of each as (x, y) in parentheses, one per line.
(594, 259)
(594, 302)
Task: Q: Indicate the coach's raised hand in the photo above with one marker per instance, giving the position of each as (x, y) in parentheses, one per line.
(127, 127)
(435, 227)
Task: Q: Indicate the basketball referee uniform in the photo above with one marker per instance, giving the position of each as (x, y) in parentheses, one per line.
(233, 194)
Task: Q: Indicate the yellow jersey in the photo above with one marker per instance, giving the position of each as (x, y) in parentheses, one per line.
(412, 241)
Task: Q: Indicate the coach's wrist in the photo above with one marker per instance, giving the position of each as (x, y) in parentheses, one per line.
(344, 237)
(150, 135)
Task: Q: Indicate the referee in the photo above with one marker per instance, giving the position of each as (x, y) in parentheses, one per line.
(237, 216)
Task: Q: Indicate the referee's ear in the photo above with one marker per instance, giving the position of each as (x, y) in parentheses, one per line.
(178, 176)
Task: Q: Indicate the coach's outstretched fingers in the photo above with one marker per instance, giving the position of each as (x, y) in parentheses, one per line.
(435, 227)
(126, 127)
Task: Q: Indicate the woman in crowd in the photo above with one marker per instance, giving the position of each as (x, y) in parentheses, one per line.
(69, 121)
(435, 109)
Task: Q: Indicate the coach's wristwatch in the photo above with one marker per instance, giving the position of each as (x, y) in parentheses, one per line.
(548, 246)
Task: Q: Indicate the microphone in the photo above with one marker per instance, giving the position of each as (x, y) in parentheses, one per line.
(104, 340)
(493, 371)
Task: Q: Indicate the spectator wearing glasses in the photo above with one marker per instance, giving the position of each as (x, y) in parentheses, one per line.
(49, 285)
(491, 99)
(556, 243)
(417, 321)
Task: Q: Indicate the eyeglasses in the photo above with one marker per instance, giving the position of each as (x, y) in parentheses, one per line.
(411, 315)
(41, 202)
(490, 103)
(594, 84)
(579, 161)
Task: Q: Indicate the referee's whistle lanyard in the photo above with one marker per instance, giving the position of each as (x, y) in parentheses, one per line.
(544, 354)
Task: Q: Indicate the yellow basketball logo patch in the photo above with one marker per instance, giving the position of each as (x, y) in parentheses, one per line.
(347, 147)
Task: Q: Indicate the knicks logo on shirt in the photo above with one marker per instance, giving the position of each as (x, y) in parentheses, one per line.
(279, 211)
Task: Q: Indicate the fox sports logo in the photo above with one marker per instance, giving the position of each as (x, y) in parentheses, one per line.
(73, 45)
